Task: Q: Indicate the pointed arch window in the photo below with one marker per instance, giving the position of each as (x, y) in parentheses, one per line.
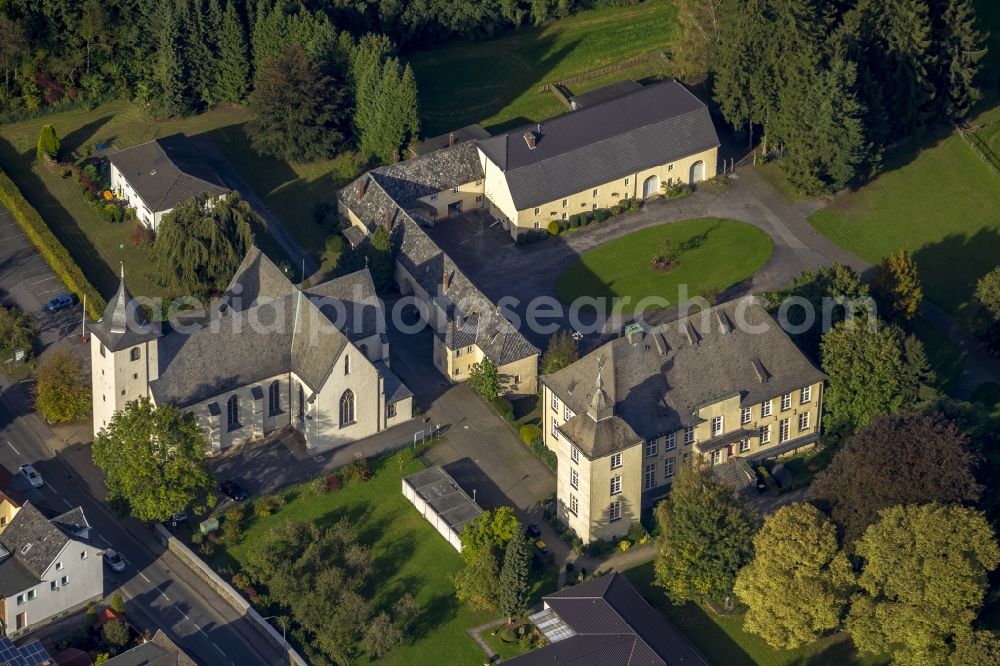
(233, 412)
(347, 408)
(302, 402)
(347, 364)
(274, 398)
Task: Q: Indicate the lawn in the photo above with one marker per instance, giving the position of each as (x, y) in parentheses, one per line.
(712, 254)
(940, 203)
(495, 82)
(723, 641)
(97, 245)
(409, 556)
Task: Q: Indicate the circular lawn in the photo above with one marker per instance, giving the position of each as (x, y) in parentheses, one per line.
(706, 254)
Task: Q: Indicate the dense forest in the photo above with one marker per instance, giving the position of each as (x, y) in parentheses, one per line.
(834, 82)
(181, 56)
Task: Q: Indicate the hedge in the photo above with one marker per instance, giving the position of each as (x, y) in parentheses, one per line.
(57, 256)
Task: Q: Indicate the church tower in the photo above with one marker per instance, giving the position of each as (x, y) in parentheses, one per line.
(123, 355)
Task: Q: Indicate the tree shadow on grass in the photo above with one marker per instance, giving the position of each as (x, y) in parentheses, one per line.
(75, 140)
(950, 268)
(439, 610)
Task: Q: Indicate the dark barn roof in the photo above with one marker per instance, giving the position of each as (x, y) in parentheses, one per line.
(606, 93)
(167, 171)
(609, 623)
(455, 137)
(581, 149)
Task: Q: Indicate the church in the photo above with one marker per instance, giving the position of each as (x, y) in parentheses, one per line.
(267, 355)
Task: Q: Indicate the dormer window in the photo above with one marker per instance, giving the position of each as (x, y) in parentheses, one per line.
(716, 426)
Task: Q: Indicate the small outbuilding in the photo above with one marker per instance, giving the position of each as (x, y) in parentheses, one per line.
(442, 502)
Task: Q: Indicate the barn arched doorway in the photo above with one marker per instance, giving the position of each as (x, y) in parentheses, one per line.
(650, 186)
(697, 172)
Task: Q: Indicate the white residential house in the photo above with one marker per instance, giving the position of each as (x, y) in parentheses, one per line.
(268, 355)
(47, 569)
(156, 176)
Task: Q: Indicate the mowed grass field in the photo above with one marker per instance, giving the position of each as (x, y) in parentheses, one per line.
(495, 82)
(713, 254)
(408, 556)
(723, 641)
(97, 245)
(941, 203)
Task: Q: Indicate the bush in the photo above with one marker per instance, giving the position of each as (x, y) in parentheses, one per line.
(616, 210)
(507, 636)
(358, 470)
(554, 227)
(504, 408)
(117, 603)
(319, 486)
(241, 581)
(634, 204)
(333, 482)
(768, 479)
(678, 191)
(574, 221)
(141, 236)
(55, 254)
(530, 433)
(624, 545)
(601, 214)
(48, 143)
(335, 244)
(544, 454)
(115, 633)
(636, 532)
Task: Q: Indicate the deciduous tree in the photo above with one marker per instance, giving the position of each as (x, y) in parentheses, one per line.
(48, 143)
(706, 538)
(899, 459)
(485, 379)
(381, 635)
(17, 329)
(61, 391)
(896, 287)
(799, 583)
(561, 352)
(923, 581)
(477, 583)
(201, 243)
(154, 459)
(299, 108)
(975, 648)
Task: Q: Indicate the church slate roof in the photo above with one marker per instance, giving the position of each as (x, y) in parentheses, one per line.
(472, 317)
(290, 333)
(613, 625)
(123, 324)
(658, 381)
(166, 172)
(578, 150)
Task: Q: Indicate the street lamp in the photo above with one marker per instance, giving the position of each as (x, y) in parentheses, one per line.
(275, 617)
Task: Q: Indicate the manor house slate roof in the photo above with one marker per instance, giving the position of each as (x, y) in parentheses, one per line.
(657, 382)
(467, 133)
(291, 332)
(578, 150)
(472, 317)
(401, 184)
(606, 621)
(168, 171)
(30, 543)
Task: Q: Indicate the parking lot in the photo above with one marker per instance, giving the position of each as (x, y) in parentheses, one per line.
(27, 281)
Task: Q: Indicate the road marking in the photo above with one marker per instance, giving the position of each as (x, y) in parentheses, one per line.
(101, 537)
(11, 237)
(66, 502)
(46, 279)
(144, 578)
(54, 490)
(164, 596)
(219, 649)
(12, 446)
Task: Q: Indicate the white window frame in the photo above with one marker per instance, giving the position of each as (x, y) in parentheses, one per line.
(765, 434)
(555, 403)
(718, 426)
(32, 595)
(555, 428)
(784, 430)
(567, 412)
(574, 453)
(671, 441)
(652, 448)
(615, 485)
(717, 457)
(574, 478)
(744, 445)
(689, 434)
(574, 505)
(803, 421)
(746, 416)
(616, 460)
(668, 467)
(805, 395)
(786, 402)
(615, 511)
(765, 408)
(649, 477)
(565, 203)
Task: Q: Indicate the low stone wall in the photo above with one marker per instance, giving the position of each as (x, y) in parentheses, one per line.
(234, 598)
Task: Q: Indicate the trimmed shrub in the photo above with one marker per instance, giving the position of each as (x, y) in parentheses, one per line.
(616, 210)
(319, 486)
(358, 470)
(601, 214)
(48, 143)
(335, 244)
(530, 433)
(554, 227)
(54, 252)
(634, 204)
(574, 221)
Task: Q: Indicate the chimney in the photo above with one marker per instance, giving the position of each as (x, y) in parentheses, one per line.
(361, 186)
(530, 139)
(388, 219)
(451, 139)
(445, 282)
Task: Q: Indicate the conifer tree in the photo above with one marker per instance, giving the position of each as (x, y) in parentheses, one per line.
(960, 48)
(168, 97)
(896, 287)
(382, 262)
(512, 594)
(234, 64)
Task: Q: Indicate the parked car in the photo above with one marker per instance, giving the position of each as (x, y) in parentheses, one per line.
(114, 560)
(233, 491)
(60, 302)
(34, 478)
